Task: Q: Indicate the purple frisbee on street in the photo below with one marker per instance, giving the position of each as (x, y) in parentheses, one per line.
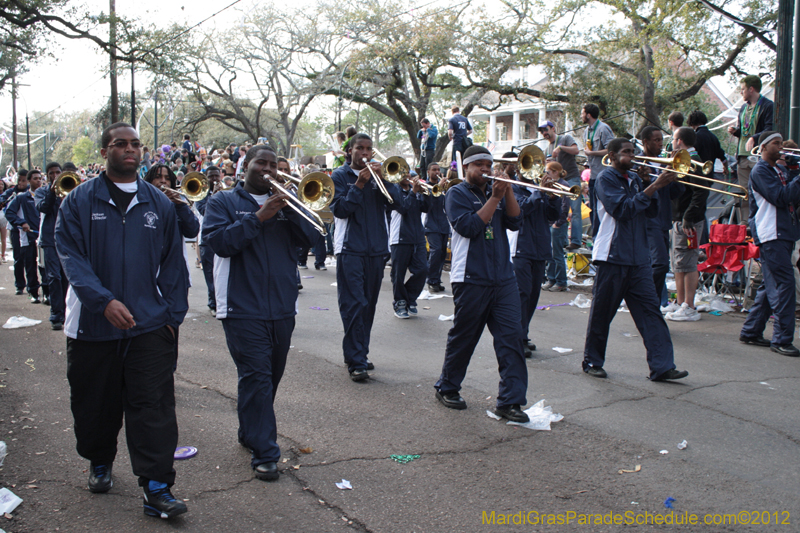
(185, 452)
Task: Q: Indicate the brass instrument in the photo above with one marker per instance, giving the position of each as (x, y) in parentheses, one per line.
(681, 164)
(706, 168)
(430, 190)
(315, 191)
(393, 169)
(756, 151)
(302, 204)
(451, 183)
(65, 183)
(572, 193)
(194, 186)
(530, 162)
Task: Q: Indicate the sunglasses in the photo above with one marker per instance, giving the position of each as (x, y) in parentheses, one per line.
(122, 144)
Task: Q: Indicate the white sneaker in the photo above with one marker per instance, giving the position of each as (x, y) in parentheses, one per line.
(678, 315)
(692, 315)
(671, 307)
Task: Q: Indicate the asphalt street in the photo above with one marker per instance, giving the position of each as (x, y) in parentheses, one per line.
(737, 410)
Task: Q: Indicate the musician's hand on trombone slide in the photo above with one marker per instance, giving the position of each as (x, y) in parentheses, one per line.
(365, 175)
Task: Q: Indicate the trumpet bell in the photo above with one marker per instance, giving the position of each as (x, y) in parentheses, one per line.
(65, 183)
(394, 169)
(316, 190)
(194, 186)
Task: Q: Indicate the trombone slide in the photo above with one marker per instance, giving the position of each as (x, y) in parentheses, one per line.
(299, 207)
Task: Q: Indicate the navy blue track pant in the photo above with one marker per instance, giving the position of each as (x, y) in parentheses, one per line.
(57, 282)
(438, 253)
(358, 282)
(131, 376)
(411, 258)
(207, 260)
(25, 263)
(529, 274)
(775, 296)
(612, 284)
(476, 307)
(320, 252)
(658, 240)
(259, 349)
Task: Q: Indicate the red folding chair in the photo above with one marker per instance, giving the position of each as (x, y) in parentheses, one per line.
(726, 251)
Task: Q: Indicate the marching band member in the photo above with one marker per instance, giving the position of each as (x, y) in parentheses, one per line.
(47, 203)
(361, 247)
(621, 256)
(407, 242)
(437, 230)
(118, 242)
(255, 241)
(24, 219)
(484, 289)
(774, 226)
(532, 247)
(214, 175)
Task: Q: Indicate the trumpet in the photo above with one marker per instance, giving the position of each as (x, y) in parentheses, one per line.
(531, 162)
(65, 183)
(299, 205)
(681, 164)
(572, 193)
(430, 190)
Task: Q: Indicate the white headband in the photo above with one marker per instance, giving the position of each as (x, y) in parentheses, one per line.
(768, 139)
(478, 157)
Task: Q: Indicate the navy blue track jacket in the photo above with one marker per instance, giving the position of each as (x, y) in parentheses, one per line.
(406, 227)
(48, 204)
(534, 240)
(622, 212)
(770, 215)
(30, 215)
(255, 263)
(136, 259)
(475, 259)
(436, 221)
(361, 227)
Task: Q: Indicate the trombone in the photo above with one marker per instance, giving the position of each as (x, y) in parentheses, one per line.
(300, 206)
(65, 183)
(531, 162)
(791, 152)
(194, 187)
(315, 191)
(681, 163)
(392, 170)
(572, 193)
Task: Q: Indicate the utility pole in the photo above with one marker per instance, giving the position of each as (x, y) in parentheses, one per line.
(28, 138)
(14, 120)
(155, 123)
(133, 95)
(112, 33)
(783, 70)
(794, 115)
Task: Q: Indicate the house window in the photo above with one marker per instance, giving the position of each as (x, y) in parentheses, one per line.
(526, 130)
(502, 131)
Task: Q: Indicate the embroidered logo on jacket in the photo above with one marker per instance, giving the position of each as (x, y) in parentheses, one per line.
(98, 216)
(150, 219)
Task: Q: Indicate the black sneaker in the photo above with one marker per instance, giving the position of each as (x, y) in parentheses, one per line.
(100, 479)
(370, 366)
(299, 286)
(433, 289)
(412, 309)
(159, 501)
(320, 267)
(302, 267)
(56, 326)
(18, 292)
(35, 300)
(527, 351)
(451, 400)
(359, 374)
(756, 341)
(572, 246)
(596, 371)
(785, 349)
(267, 471)
(513, 413)
(671, 374)
(46, 300)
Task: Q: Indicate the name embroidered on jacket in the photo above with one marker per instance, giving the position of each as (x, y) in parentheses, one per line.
(98, 216)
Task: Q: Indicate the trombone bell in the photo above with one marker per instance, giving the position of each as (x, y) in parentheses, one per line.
(394, 169)
(316, 191)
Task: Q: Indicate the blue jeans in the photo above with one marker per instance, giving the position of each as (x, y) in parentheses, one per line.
(576, 233)
(557, 267)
